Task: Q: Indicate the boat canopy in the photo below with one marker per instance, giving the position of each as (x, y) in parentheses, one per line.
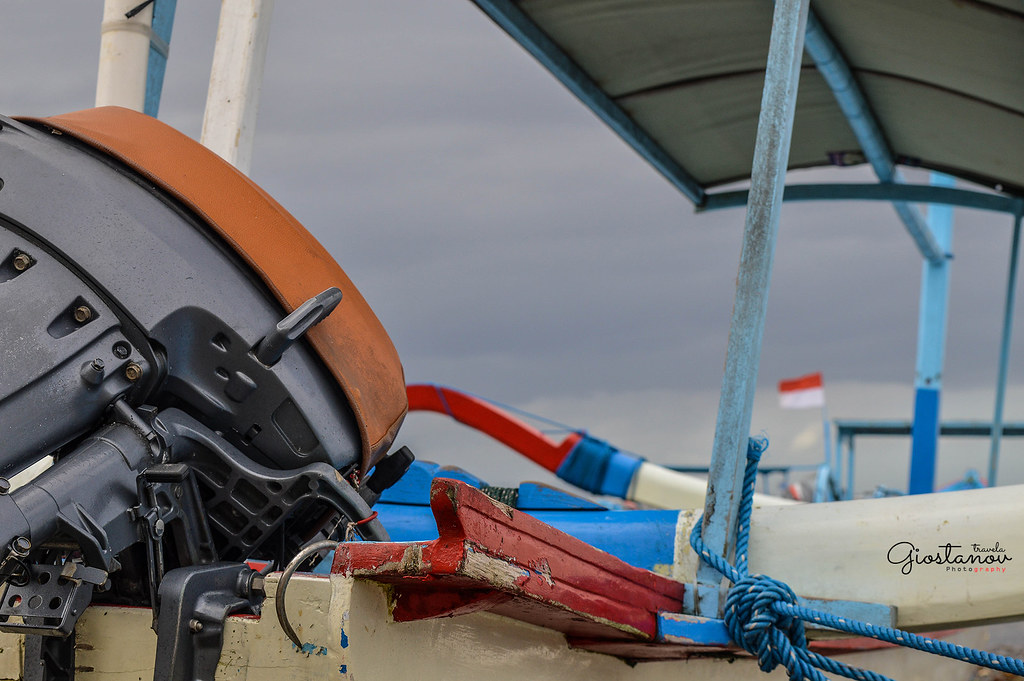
(936, 84)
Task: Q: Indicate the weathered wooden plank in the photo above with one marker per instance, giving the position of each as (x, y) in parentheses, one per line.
(348, 633)
(489, 556)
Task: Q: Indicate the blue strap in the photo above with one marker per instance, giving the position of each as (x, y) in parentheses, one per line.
(762, 615)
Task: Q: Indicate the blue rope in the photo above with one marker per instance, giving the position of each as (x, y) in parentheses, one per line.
(762, 615)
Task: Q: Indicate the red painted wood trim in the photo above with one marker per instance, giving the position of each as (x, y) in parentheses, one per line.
(494, 422)
(491, 557)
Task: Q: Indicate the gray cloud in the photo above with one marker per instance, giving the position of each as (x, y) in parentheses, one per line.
(513, 246)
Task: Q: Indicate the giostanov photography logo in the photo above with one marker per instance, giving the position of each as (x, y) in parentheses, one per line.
(974, 557)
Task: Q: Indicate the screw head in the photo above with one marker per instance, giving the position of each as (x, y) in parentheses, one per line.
(121, 350)
(22, 261)
(133, 371)
(195, 626)
(82, 314)
(21, 546)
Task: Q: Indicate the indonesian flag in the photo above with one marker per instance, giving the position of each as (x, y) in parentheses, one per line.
(802, 393)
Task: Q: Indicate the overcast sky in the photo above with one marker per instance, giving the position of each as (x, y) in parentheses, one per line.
(515, 248)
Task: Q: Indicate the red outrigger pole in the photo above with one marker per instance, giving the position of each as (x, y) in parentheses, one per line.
(579, 459)
(492, 421)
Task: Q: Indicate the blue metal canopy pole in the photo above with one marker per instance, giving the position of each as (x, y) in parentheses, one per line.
(771, 155)
(1004, 355)
(851, 457)
(508, 15)
(834, 69)
(159, 48)
(908, 193)
(931, 345)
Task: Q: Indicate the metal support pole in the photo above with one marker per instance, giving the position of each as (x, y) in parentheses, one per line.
(159, 49)
(931, 343)
(841, 443)
(832, 486)
(908, 193)
(771, 154)
(837, 459)
(847, 483)
(826, 428)
(836, 72)
(1004, 356)
(850, 457)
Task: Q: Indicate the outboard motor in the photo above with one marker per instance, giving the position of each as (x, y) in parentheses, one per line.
(206, 380)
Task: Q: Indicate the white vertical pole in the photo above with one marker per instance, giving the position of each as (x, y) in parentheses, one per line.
(124, 55)
(232, 101)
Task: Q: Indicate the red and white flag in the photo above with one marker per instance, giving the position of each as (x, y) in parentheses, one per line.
(802, 393)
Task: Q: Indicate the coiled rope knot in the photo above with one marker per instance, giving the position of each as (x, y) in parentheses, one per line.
(761, 628)
(763, 617)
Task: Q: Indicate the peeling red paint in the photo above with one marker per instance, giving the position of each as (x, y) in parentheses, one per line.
(488, 557)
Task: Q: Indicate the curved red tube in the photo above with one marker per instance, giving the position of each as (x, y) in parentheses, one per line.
(490, 420)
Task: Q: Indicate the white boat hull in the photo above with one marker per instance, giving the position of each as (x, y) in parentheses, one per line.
(349, 634)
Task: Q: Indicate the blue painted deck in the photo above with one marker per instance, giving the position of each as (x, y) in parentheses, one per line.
(643, 538)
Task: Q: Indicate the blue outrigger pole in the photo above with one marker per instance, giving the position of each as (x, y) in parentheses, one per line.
(159, 48)
(771, 156)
